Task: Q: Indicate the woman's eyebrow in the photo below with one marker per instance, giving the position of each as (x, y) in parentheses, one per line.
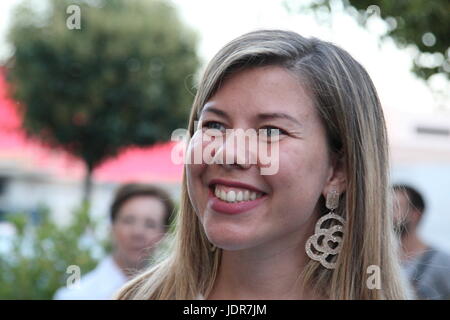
(278, 115)
(209, 108)
(261, 116)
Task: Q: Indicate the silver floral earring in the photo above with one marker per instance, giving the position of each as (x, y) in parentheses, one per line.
(320, 240)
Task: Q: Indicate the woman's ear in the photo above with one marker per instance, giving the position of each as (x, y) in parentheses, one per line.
(337, 177)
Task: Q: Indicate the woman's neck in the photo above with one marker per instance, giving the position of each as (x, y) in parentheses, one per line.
(412, 246)
(127, 268)
(262, 273)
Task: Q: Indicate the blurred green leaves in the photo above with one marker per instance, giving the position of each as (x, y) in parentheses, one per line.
(125, 78)
(423, 24)
(35, 265)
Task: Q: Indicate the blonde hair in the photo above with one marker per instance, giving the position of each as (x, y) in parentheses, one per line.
(351, 112)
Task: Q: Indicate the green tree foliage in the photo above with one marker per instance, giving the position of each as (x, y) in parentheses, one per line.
(123, 78)
(35, 265)
(424, 24)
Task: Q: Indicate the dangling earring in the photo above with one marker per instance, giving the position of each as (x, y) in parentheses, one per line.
(212, 247)
(324, 249)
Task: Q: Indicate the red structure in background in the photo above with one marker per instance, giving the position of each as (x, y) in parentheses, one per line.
(18, 152)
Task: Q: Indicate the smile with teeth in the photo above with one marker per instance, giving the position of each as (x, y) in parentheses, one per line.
(232, 194)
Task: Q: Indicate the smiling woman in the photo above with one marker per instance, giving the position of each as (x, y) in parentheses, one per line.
(314, 228)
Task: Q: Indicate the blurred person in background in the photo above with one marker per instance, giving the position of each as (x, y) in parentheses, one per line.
(140, 216)
(427, 268)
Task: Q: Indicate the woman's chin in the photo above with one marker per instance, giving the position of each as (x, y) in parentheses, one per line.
(229, 241)
(231, 234)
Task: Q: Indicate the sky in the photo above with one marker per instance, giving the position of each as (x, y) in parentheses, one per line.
(219, 21)
(5, 20)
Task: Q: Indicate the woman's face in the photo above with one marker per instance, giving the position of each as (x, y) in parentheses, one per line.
(138, 228)
(286, 201)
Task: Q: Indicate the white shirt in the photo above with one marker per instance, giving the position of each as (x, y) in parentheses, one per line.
(99, 284)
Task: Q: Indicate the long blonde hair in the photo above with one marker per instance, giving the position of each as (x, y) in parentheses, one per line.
(351, 112)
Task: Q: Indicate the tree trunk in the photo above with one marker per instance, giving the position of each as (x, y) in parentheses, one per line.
(87, 186)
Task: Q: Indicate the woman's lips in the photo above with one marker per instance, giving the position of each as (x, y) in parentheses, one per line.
(230, 183)
(221, 206)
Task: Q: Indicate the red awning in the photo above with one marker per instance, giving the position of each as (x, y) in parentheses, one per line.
(151, 164)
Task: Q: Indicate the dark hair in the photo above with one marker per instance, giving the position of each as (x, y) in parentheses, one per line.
(415, 199)
(128, 191)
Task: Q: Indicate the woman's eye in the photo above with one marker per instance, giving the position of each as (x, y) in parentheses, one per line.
(271, 131)
(150, 225)
(213, 125)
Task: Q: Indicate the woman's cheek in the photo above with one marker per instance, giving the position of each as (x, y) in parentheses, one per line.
(195, 167)
(195, 149)
(269, 159)
(193, 173)
(291, 173)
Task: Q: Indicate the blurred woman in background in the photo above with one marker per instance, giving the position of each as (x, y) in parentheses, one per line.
(140, 216)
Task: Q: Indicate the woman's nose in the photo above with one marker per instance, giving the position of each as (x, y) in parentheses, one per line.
(237, 150)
